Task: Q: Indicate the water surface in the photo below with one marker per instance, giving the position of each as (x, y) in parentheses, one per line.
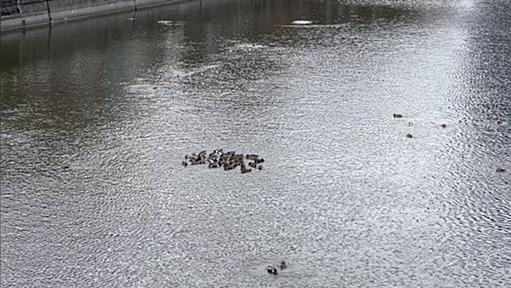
(97, 115)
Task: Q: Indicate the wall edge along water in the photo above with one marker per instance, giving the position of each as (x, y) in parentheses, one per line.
(26, 14)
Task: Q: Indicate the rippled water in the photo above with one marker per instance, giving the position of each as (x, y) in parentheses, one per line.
(96, 117)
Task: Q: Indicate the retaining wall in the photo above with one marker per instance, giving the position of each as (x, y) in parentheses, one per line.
(22, 14)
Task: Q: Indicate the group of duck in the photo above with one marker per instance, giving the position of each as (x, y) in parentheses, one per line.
(399, 116)
(273, 270)
(228, 160)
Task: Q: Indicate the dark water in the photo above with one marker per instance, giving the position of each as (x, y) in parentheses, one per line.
(97, 115)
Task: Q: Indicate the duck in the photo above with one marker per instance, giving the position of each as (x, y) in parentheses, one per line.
(229, 166)
(397, 115)
(212, 156)
(409, 135)
(260, 167)
(244, 168)
(500, 170)
(252, 164)
(184, 163)
(272, 270)
(252, 156)
(443, 125)
(257, 161)
(283, 265)
(193, 156)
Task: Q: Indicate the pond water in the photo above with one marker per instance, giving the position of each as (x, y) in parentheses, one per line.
(97, 115)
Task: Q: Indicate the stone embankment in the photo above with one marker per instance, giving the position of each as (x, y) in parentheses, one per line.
(23, 14)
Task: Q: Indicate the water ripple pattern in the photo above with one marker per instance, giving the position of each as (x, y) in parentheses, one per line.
(96, 116)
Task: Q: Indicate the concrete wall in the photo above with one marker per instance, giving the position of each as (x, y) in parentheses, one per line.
(21, 14)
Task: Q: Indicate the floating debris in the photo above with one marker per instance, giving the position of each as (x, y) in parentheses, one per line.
(228, 160)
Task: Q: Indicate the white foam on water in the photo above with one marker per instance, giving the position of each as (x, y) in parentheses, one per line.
(171, 23)
(301, 22)
(314, 26)
(248, 46)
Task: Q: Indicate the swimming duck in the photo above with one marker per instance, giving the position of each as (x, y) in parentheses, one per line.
(193, 156)
(444, 125)
(252, 156)
(229, 166)
(283, 265)
(184, 163)
(272, 270)
(409, 135)
(252, 164)
(500, 170)
(212, 156)
(397, 115)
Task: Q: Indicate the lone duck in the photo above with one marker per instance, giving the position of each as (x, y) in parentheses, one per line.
(272, 270)
(500, 170)
(409, 135)
(397, 115)
(444, 125)
(283, 265)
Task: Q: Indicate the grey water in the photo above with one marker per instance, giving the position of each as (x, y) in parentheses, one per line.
(97, 115)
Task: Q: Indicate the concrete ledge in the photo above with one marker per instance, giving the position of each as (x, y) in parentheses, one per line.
(27, 14)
